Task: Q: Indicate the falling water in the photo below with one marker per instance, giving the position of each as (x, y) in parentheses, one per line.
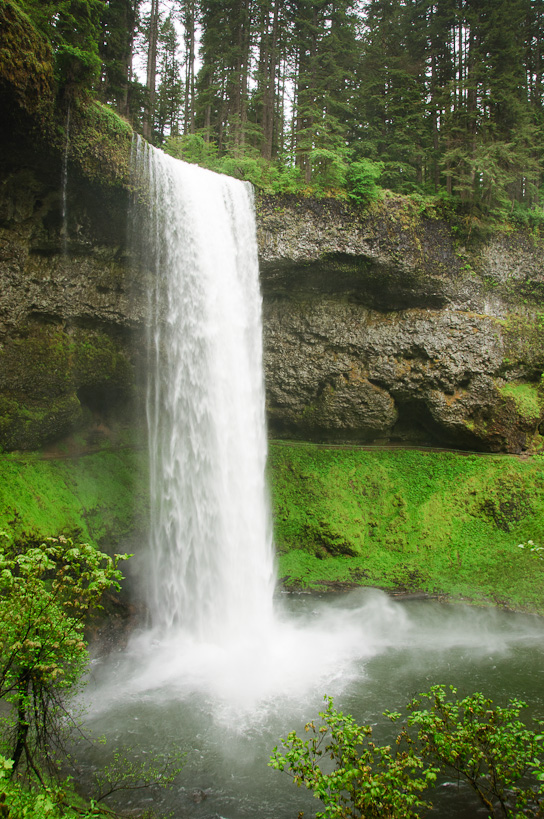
(211, 570)
(64, 187)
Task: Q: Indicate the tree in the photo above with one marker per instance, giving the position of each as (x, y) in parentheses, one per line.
(119, 21)
(390, 101)
(367, 780)
(223, 81)
(325, 55)
(169, 99)
(47, 588)
(153, 24)
(489, 747)
(73, 28)
(189, 14)
(499, 756)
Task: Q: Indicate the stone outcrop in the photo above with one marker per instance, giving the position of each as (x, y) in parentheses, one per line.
(381, 327)
(71, 313)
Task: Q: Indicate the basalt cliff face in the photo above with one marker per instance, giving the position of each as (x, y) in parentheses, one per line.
(385, 327)
(380, 326)
(71, 315)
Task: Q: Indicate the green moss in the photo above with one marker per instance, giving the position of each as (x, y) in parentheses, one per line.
(100, 144)
(101, 496)
(27, 426)
(41, 374)
(96, 359)
(526, 398)
(439, 522)
(523, 337)
(26, 62)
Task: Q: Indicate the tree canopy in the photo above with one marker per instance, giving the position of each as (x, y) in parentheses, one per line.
(435, 97)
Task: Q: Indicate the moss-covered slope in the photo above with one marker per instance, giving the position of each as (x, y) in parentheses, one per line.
(438, 522)
(99, 498)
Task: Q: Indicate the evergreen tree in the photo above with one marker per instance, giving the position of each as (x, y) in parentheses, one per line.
(324, 57)
(73, 28)
(169, 100)
(189, 16)
(119, 21)
(152, 26)
(266, 101)
(392, 92)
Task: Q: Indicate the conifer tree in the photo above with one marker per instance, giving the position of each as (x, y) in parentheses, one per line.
(119, 21)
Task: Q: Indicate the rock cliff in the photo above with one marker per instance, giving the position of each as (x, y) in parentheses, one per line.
(385, 327)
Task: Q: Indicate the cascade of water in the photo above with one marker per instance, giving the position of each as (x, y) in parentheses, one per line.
(64, 187)
(211, 572)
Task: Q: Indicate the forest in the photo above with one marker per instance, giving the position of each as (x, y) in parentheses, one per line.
(336, 97)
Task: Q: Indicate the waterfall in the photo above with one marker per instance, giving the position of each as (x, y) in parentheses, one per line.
(211, 565)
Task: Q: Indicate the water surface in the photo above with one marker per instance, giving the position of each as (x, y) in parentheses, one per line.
(226, 706)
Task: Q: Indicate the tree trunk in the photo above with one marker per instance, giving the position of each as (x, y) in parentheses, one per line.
(151, 70)
(189, 25)
(22, 724)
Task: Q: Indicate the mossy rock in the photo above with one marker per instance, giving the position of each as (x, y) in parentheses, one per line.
(527, 399)
(439, 523)
(53, 379)
(26, 63)
(28, 426)
(513, 424)
(100, 498)
(100, 144)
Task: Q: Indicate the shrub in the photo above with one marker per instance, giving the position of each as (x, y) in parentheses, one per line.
(46, 590)
(367, 779)
(500, 758)
(362, 181)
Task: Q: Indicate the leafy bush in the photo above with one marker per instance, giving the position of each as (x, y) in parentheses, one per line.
(46, 590)
(362, 181)
(286, 179)
(192, 148)
(489, 747)
(49, 802)
(530, 217)
(329, 169)
(367, 780)
(500, 758)
(271, 177)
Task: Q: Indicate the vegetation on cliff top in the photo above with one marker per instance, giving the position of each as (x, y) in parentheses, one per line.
(436, 522)
(341, 100)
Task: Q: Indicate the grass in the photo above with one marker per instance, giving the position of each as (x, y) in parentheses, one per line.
(101, 497)
(526, 397)
(437, 522)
